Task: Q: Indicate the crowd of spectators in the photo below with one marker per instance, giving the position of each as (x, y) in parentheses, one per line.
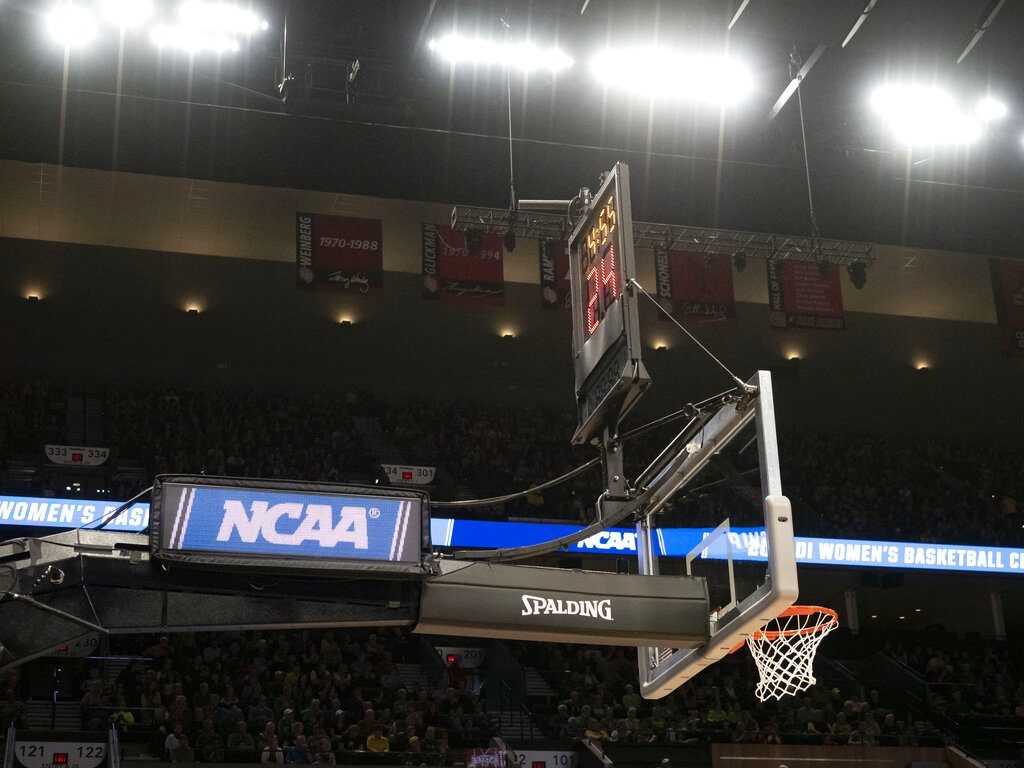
(597, 699)
(298, 697)
(848, 486)
(967, 678)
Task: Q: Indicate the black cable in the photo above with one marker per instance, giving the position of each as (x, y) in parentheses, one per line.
(115, 512)
(519, 494)
(796, 63)
(693, 338)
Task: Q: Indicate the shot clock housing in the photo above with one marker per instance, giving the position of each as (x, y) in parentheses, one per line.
(610, 376)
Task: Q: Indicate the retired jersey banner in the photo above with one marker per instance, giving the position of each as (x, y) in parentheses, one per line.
(339, 253)
(455, 272)
(803, 294)
(554, 274)
(694, 286)
(1008, 287)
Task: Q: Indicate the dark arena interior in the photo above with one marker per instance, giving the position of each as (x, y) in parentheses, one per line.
(512, 384)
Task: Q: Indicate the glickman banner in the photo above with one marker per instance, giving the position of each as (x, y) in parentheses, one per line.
(1008, 287)
(804, 294)
(694, 286)
(463, 267)
(339, 253)
(554, 274)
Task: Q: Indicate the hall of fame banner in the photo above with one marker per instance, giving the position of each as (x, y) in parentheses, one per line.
(694, 286)
(554, 274)
(804, 294)
(339, 253)
(457, 274)
(1008, 291)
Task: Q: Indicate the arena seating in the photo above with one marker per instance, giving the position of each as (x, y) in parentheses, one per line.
(841, 486)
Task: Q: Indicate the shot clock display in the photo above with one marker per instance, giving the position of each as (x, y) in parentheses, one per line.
(606, 333)
(601, 264)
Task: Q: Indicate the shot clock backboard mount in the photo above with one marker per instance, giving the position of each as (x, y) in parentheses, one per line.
(610, 375)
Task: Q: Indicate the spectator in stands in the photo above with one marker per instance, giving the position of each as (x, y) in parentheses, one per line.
(323, 754)
(182, 753)
(11, 710)
(241, 743)
(209, 744)
(272, 752)
(173, 740)
(377, 741)
(298, 753)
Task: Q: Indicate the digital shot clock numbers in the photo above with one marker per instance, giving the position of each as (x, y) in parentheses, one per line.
(601, 267)
(610, 376)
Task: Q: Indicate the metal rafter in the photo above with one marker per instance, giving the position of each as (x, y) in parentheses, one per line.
(674, 236)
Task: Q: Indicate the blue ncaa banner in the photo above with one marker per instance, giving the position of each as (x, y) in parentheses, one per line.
(257, 521)
(748, 544)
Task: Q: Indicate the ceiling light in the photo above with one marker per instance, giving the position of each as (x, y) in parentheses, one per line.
(219, 17)
(71, 25)
(525, 56)
(924, 115)
(989, 109)
(508, 333)
(126, 13)
(660, 73)
(193, 40)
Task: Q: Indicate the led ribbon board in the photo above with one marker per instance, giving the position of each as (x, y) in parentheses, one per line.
(606, 332)
(273, 525)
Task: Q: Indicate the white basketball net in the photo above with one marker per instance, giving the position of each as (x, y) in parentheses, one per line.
(784, 650)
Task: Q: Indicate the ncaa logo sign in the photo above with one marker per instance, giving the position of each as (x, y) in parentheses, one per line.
(316, 524)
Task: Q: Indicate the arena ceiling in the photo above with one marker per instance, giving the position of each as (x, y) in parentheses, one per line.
(411, 127)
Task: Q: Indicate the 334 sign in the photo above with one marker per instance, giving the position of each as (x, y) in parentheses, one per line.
(77, 455)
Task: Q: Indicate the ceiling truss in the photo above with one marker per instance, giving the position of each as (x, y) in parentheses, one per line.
(674, 236)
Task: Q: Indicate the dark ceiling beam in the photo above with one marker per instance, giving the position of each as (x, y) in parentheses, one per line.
(796, 81)
(739, 12)
(859, 22)
(984, 21)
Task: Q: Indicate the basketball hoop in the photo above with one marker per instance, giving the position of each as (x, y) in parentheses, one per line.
(784, 649)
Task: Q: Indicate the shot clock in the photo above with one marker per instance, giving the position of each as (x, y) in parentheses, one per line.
(601, 264)
(610, 376)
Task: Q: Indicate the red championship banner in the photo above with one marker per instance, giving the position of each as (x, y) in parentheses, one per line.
(461, 273)
(554, 274)
(338, 253)
(803, 294)
(1008, 288)
(694, 286)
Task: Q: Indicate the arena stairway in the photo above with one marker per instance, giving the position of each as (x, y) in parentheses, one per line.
(413, 676)
(50, 715)
(536, 687)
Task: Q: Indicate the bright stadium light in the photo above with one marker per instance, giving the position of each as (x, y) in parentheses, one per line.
(193, 40)
(660, 73)
(71, 25)
(525, 56)
(924, 115)
(126, 14)
(990, 109)
(219, 17)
